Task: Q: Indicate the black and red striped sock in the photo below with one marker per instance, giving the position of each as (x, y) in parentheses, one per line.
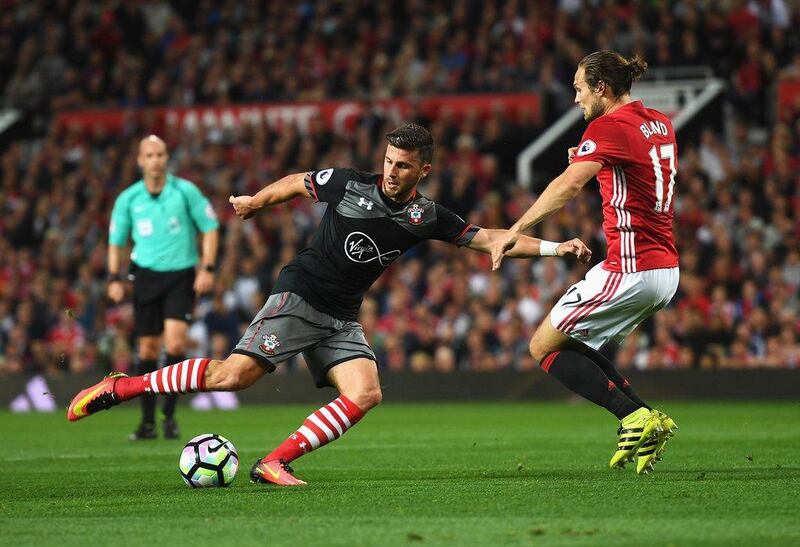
(323, 426)
(187, 376)
(578, 373)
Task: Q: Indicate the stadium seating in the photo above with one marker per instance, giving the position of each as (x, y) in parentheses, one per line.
(439, 308)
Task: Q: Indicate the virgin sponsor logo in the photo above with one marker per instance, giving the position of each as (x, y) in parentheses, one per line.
(361, 248)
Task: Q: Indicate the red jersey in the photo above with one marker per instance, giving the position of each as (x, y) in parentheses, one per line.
(637, 148)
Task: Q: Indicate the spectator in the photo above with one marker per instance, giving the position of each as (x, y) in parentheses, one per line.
(737, 213)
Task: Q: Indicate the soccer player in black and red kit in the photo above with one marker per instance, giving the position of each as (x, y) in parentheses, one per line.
(371, 220)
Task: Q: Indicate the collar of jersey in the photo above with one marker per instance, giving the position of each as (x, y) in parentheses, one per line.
(169, 178)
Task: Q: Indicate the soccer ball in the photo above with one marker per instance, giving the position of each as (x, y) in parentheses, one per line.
(209, 460)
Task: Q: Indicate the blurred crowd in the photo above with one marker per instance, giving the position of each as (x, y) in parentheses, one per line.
(440, 308)
(69, 54)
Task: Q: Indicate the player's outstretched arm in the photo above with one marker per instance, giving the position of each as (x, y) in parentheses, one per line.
(562, 189)
(526, 247)
(289, 187)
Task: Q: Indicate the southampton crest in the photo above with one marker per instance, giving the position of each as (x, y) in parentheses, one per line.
(270, 343)
(415, 214)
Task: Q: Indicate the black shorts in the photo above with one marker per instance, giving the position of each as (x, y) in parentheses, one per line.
(161, 295)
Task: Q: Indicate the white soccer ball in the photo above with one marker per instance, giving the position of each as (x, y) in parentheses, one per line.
(209, 460)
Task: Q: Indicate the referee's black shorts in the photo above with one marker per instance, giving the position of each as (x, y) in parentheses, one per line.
(161, 295)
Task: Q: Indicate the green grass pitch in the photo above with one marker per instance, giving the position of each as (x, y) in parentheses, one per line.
(411, 474)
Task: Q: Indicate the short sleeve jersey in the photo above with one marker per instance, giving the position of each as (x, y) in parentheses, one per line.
(639, 155)
(163, 227)
(361, 233)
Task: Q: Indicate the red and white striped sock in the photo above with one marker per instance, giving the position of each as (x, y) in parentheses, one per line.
(187, 376)
(323, 426)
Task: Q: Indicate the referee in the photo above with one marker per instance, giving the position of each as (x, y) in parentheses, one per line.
(162, 214)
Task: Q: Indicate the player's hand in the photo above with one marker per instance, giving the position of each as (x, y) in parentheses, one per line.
(571, 153)
(243, 206)
(203, 282)
(501, 245)
(575, 247)
(116, 291)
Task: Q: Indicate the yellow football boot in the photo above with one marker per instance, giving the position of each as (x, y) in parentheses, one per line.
(635, 429)
(651, 451)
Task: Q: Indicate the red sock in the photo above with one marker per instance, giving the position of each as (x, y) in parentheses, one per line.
(185, 377)
(323, 426)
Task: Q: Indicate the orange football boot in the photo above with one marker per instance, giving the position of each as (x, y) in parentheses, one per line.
(274, 472)
(92, 399)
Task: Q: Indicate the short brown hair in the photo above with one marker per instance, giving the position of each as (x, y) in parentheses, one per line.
(413, 137)
(612, 68)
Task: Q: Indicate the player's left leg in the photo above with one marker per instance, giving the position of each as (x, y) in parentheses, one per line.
(175, 331)
(359, 391)
(563, 358)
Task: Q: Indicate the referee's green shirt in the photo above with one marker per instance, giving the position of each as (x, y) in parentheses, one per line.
(164, 228)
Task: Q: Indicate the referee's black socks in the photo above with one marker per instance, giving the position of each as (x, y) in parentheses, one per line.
(148, 399)
(171, 399)
(580, 374)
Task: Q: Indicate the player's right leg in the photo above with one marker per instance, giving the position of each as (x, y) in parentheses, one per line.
(235, 373)
(360, 391)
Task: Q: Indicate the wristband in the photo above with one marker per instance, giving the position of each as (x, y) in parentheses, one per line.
(209, 268)
(113, 277)
(548, 248)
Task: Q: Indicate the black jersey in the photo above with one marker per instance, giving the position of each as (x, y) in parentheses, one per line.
(360, 235)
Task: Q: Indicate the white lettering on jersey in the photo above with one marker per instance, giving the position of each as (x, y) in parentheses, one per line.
(587, 147)
(323, 176)
(359, 247)
(653, 128)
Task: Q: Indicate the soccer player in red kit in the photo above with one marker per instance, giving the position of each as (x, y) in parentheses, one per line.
(631, 149)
